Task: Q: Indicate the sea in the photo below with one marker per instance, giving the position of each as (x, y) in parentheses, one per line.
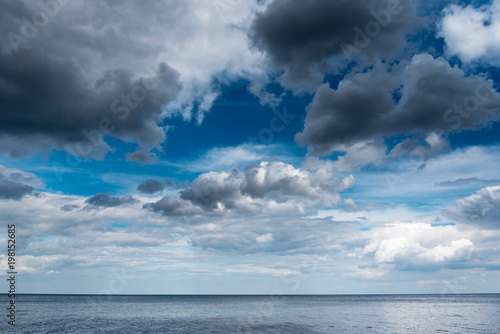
(298, 314)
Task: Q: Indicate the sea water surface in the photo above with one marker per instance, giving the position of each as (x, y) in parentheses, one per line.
(471, 313)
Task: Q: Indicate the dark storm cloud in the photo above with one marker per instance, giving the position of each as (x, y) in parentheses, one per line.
(432, 97)
(105, 200)
(13, 190)
(299, 35)
(10, 12)
(46, 99)
(151, 186)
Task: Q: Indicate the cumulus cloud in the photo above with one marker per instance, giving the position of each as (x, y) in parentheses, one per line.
(50, 99)
(269, 186)
(435, 98)
(472, 33)
(151, 186)
(105, 200)
(302, 36)
(418, 245)
(481, 209)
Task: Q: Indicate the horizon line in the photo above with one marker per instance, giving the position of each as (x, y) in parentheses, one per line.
(260, 295)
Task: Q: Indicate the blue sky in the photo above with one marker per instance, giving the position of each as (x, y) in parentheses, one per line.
(239, 147)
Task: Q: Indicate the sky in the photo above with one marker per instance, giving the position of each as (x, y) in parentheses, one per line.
(251, 146)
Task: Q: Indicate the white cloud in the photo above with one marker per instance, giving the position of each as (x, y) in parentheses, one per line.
(222, 158)
(361, 154)
(265, 237)
(472, 33)
(369, 273)
(418, 244)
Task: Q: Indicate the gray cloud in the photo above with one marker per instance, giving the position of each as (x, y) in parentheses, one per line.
(48, 99)
(302, 35)
(69, 207)
(94, 33)
(433, 98)
(466, 181)
(103, 35)
(151, 186)
(174, 206)
(13, 190)
(268, 187)
(105, 200)
(481, 209)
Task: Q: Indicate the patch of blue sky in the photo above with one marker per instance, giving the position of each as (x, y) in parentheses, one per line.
(486, 136)
(235, 118)
(443, 224)
(120, 225)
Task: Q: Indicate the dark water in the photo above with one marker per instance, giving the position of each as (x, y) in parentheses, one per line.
(256, 314)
